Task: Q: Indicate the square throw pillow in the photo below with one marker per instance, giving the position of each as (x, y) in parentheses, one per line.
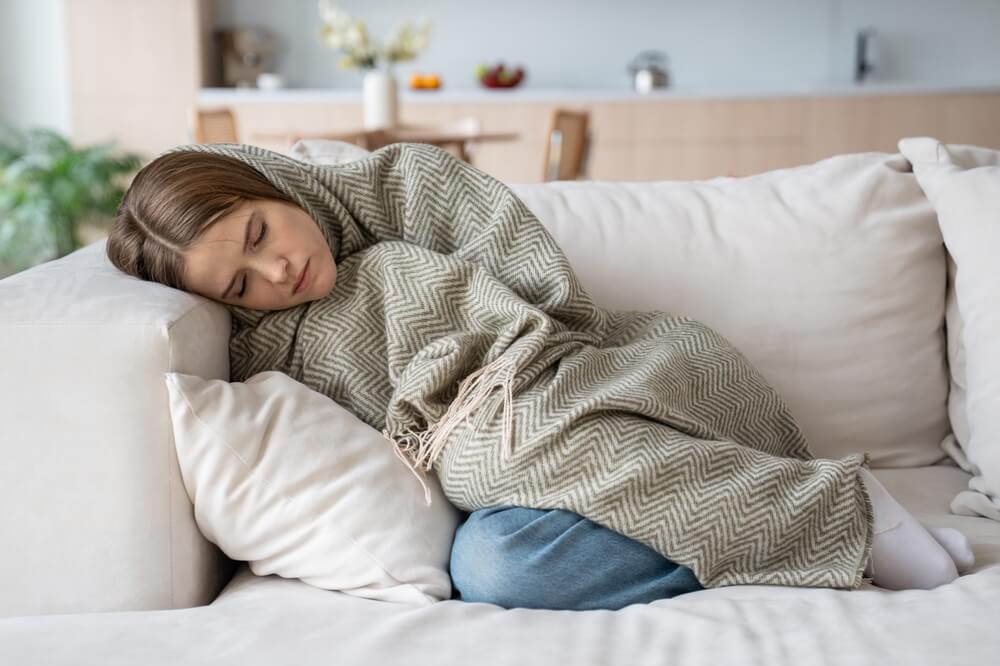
(963, 185)
(287, 480)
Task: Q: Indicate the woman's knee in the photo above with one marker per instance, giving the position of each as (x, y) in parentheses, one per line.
(488, 562)
(519, 557)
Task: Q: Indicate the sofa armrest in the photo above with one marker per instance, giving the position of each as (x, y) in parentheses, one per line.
(95, 515)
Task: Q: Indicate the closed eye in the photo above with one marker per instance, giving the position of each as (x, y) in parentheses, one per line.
(256, 243)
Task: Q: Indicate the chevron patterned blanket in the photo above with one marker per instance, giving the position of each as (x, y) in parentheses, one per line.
(458, 328)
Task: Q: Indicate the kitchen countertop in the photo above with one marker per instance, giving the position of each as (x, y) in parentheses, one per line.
(208, 96)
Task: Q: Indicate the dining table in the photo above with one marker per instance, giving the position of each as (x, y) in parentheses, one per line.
(456, 140)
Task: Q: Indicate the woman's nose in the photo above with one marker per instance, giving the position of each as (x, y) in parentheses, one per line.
(275, 270)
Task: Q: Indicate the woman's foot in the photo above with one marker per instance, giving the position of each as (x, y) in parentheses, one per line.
(904, 554)
(957, 545)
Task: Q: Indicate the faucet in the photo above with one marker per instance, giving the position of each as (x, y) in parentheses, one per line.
(865, 54)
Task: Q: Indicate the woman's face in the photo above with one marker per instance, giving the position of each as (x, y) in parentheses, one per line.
(255, 255)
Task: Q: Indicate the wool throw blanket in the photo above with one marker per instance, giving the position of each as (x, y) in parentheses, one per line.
(458, 328)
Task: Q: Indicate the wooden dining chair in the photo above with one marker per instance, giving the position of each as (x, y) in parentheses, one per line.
(214, 126)
(567, 146)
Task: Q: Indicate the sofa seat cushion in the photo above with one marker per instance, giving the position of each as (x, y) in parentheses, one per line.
(268, 620)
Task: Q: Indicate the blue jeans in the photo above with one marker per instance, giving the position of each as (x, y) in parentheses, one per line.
(517, 557)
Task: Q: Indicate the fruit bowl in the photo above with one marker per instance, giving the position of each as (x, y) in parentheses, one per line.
(498, 76)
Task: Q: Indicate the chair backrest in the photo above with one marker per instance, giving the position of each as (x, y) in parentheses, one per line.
(214, 126)
(567, 145)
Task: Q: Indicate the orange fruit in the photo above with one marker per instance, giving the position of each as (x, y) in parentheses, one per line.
(416, 81)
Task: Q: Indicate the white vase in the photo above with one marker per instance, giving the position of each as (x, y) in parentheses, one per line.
(379, 101)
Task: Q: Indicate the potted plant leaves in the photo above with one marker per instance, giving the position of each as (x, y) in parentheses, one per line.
(49, 189)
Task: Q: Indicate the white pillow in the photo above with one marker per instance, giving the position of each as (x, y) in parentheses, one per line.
(963, 184)
(830, 277)
(287, 480)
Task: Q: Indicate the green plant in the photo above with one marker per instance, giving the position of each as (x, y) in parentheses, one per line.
(48, 188)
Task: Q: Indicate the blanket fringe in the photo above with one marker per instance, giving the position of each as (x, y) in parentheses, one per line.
(423, 448)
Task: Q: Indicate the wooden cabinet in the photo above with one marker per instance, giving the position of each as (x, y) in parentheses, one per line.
(654, 139)
(134, 70)
(686, 139)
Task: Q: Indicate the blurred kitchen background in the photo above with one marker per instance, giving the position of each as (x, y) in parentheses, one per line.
(626, 90)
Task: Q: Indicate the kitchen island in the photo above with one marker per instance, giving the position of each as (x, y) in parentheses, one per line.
(672, 133)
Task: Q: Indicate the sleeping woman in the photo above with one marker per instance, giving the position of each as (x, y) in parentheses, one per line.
(603, 457)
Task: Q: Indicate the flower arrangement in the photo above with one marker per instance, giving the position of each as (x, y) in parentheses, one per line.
(345, 33)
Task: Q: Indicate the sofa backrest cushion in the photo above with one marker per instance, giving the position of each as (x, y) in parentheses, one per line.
(829, 277)
(963, 185)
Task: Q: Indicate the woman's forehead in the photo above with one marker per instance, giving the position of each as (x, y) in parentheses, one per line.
(210, 258)
(229, 226)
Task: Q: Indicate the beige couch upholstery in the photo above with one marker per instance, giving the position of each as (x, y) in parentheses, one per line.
(96, 516)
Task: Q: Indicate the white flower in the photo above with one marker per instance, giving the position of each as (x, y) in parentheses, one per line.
(356, 37)
(349, 35)
(331, 37)
(329, 13)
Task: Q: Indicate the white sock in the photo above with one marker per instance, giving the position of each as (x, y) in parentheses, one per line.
(957, 545)
(904, 554)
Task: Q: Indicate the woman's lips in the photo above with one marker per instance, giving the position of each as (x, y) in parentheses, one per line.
(300, 285)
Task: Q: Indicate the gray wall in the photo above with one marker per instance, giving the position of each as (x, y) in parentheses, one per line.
(711, 43)
(33, 76)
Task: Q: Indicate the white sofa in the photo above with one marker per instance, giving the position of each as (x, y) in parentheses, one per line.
(832, 281)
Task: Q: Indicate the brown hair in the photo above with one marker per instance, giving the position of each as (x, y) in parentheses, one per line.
(171, 202)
